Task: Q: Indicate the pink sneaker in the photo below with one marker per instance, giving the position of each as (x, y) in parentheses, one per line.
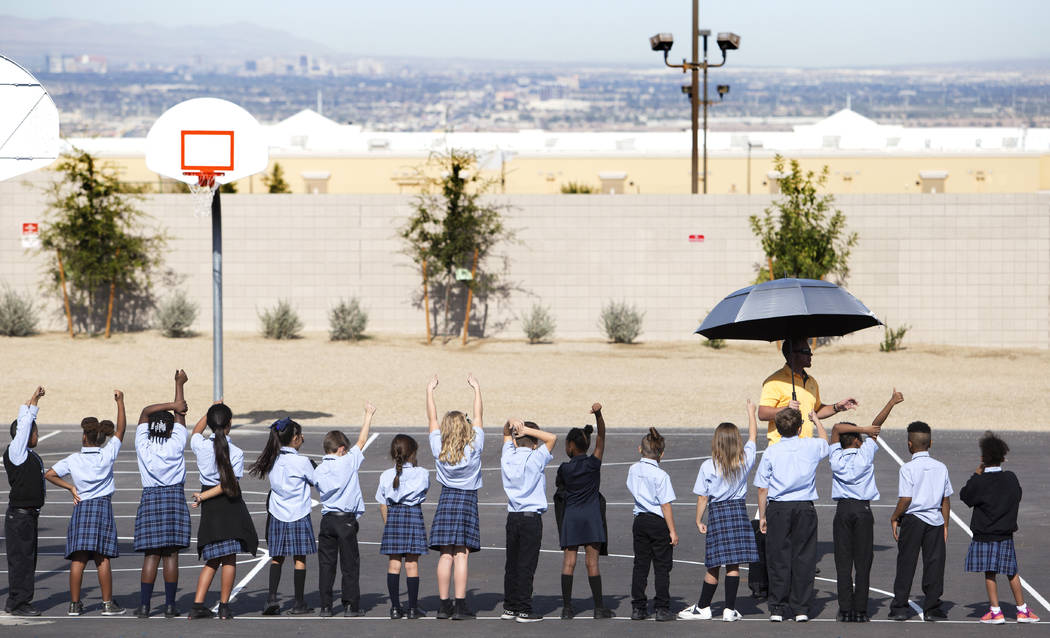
(1027, 616)
(995, 618)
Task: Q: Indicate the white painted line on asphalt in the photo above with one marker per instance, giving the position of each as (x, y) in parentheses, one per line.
(47, 436)
(375, 435)
(966, 528)
(263, 560)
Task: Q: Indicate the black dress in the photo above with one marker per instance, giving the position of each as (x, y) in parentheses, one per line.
(224, 518)
(578, 505)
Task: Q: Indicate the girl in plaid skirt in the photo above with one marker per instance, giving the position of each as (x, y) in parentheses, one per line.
(402, 490)
(456, 444)
(721, 489)
(995, 496)
(289, 531)
(92, 530)
(162, 523)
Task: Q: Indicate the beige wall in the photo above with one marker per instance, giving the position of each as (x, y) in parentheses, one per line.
(960, 269)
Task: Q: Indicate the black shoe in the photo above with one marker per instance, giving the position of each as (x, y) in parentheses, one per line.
(199, 611)
(843, 616)
(636, 614)
(601, 613)
(142, 611)
(170, 611)
(899, 615)
(326, 611)
(934, 615)
(414, 613)
(224, 611)
(352, 612)
(528, 616)
(25, 610)
(462, 612)
(663, 615)
(859, 616)
(760, 596)
(568, 613)
(300, 609)
(396, 613)
(445, 609)
(508, 614)
(272, 608)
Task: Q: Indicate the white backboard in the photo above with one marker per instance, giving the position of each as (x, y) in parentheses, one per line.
(206, 134)
(28, 122)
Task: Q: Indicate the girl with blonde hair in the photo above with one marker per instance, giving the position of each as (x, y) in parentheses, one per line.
(721, 489)
(456, 443)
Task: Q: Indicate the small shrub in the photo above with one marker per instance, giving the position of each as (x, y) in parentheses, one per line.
(175, 315)
(893, 339)
(281, 322)
(578, 188)
(538, 324)
(622, 323)
(347, 321)
(715, 344)
(18, 316)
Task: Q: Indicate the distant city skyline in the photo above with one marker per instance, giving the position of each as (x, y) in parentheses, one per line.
(813, 33)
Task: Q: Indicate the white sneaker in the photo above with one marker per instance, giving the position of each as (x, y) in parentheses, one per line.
(695, 613)
(802, 618)
(730, 615)
(776, 618)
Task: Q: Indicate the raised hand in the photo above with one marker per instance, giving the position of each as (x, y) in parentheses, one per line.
(181, 407)
(39, 392)
(118, 396)
(897, 397)
(369, 409)
(596, 408)
(516, 426)
(750, 408)
(847, 404)
(180, 376)
(472, 382)
(873, 430)
(813, 416)
(793, 404)
(432, 384)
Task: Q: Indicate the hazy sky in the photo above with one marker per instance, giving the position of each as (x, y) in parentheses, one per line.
(774, 32)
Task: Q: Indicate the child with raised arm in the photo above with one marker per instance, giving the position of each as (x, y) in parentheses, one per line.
(402, 490)
(653, 529)
(341, 505)
(92, 533)
(25, 475)
(526, 453)
(162, 522)
(226, 527)
(581, 512)
(786, 482)
(920, 522)
(995, 496)
(853, 488)
(721, 489)
(455, 531)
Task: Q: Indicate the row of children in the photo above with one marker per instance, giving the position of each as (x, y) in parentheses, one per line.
(785, 478)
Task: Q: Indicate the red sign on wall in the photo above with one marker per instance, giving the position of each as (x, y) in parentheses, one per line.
(696, 239)
(30, 235)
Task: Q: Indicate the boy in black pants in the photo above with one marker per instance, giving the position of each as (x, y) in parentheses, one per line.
(25, 474)
(920, 522)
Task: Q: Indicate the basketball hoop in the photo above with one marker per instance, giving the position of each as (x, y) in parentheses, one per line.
(203, 192)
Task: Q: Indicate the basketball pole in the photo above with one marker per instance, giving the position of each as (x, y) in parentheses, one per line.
(216, 285)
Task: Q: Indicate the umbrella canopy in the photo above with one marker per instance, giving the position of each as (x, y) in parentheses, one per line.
(784, 308)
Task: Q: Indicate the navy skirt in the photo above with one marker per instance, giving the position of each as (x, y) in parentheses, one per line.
(291, 539)
(456, 520)
(405, 531)
(218, 549)
(163, 519)
(730, 537)
(92, 528)
(992, 556)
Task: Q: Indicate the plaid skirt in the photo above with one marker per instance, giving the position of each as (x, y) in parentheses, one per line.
(291, 539)
(92, 528)
(456, 520)
(405, 531)
(218, 549)
(730, 538)
(163, 519)
(992, 556)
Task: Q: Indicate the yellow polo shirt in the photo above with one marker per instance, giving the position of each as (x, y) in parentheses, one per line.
(776, 393)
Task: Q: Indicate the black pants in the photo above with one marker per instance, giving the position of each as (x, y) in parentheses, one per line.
(791, 555)
(914, 534)
(652, 546)
(338, 540)
(524, 535)
(20, 531)
(757, 578)
(854, 536)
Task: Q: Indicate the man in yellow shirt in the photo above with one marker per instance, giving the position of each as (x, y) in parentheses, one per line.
(777, 391)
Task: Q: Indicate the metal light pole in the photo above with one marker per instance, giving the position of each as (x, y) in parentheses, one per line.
(726, 41)
(750, 145)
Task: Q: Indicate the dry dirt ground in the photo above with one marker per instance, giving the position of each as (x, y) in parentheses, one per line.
(681, 384)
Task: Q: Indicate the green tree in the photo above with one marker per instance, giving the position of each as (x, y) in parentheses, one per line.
(274, 180)
(802, 233)
(454, 228)
(90, 243)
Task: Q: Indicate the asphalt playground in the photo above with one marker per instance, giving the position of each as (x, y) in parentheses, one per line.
(964, 593)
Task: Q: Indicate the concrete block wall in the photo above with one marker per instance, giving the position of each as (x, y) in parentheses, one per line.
(959, 269)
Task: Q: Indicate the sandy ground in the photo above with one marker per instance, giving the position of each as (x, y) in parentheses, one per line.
(679, 384)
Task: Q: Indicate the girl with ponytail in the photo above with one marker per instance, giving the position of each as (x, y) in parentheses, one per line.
(92, 530)
(226, 527)
(402, 490)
